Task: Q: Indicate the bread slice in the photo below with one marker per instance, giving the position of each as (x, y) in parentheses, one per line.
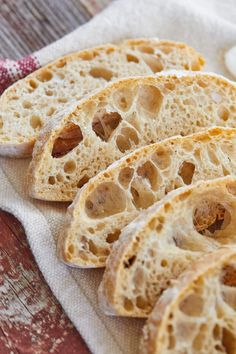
(126, 115)
(161, 243)
(116, 196)
(28, 104)
(198, 314)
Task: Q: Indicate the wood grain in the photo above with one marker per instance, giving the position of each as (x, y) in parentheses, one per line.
(31, 319)
(28, 25)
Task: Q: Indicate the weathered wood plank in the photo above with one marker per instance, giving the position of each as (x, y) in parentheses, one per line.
(31, 321)
(27, 26)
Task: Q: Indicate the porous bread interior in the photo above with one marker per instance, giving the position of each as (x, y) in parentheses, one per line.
(112, 199)
(197, 315)
(128, 114)
(28, 104)
(159, 245)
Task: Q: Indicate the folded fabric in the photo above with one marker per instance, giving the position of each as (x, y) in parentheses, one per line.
(210, 27)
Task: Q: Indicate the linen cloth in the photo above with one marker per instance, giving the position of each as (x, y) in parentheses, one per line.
(210, 27)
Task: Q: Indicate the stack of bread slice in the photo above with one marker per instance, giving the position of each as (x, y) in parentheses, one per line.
(148, 157)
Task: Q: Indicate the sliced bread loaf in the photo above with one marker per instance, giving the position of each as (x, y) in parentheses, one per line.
(161, 243)
(126, 115)
(198, 314)
(113, 198)
(28, 104)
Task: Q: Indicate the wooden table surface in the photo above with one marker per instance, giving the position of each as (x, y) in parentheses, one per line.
(31, 319)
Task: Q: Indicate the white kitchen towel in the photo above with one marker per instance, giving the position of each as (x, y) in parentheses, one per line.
(210, 27)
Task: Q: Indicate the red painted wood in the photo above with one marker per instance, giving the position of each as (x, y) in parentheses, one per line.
(31, 319)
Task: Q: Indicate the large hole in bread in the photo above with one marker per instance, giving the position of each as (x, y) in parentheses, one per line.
(60, 177)
(70, 166)
(134, 121)
(122, 99)
(229, 276)
(199, 340)
(139, 278)
(217, 332)
(192, 305)
(35, 122)
(223, 113)
(212, 156)
(123, 144)
(142, 197)
(228, 281)
(127, 138)
(146, 49)
(125, 176)
(166, 49)
(149, 100)
(83, 180)
(142, 303)
(129, 262)
(128, 304)
(231, 187)
(27, 104)
(101, 73)
(171, 337)
(68, 139)
(229, 341)
(49, 92)
(154, 64)
(106, 200)
(104, 123)
(162, 158)
(87, 55)
(62, 100)
(44, 75)
(210, 217)
(186, 172)
(33, 84)
(113, 236)
(132, 58)
(195, 65)
(149, 171)
(61, 63)
(96, 250)
(50, 111)
(51, 180)
(170, 86)
(229, 296)
(204, 83)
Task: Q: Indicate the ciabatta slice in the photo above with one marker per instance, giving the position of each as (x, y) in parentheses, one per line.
(28, 104)
(161, 243)
(198, 314)
(116, 196)
(126, 115)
